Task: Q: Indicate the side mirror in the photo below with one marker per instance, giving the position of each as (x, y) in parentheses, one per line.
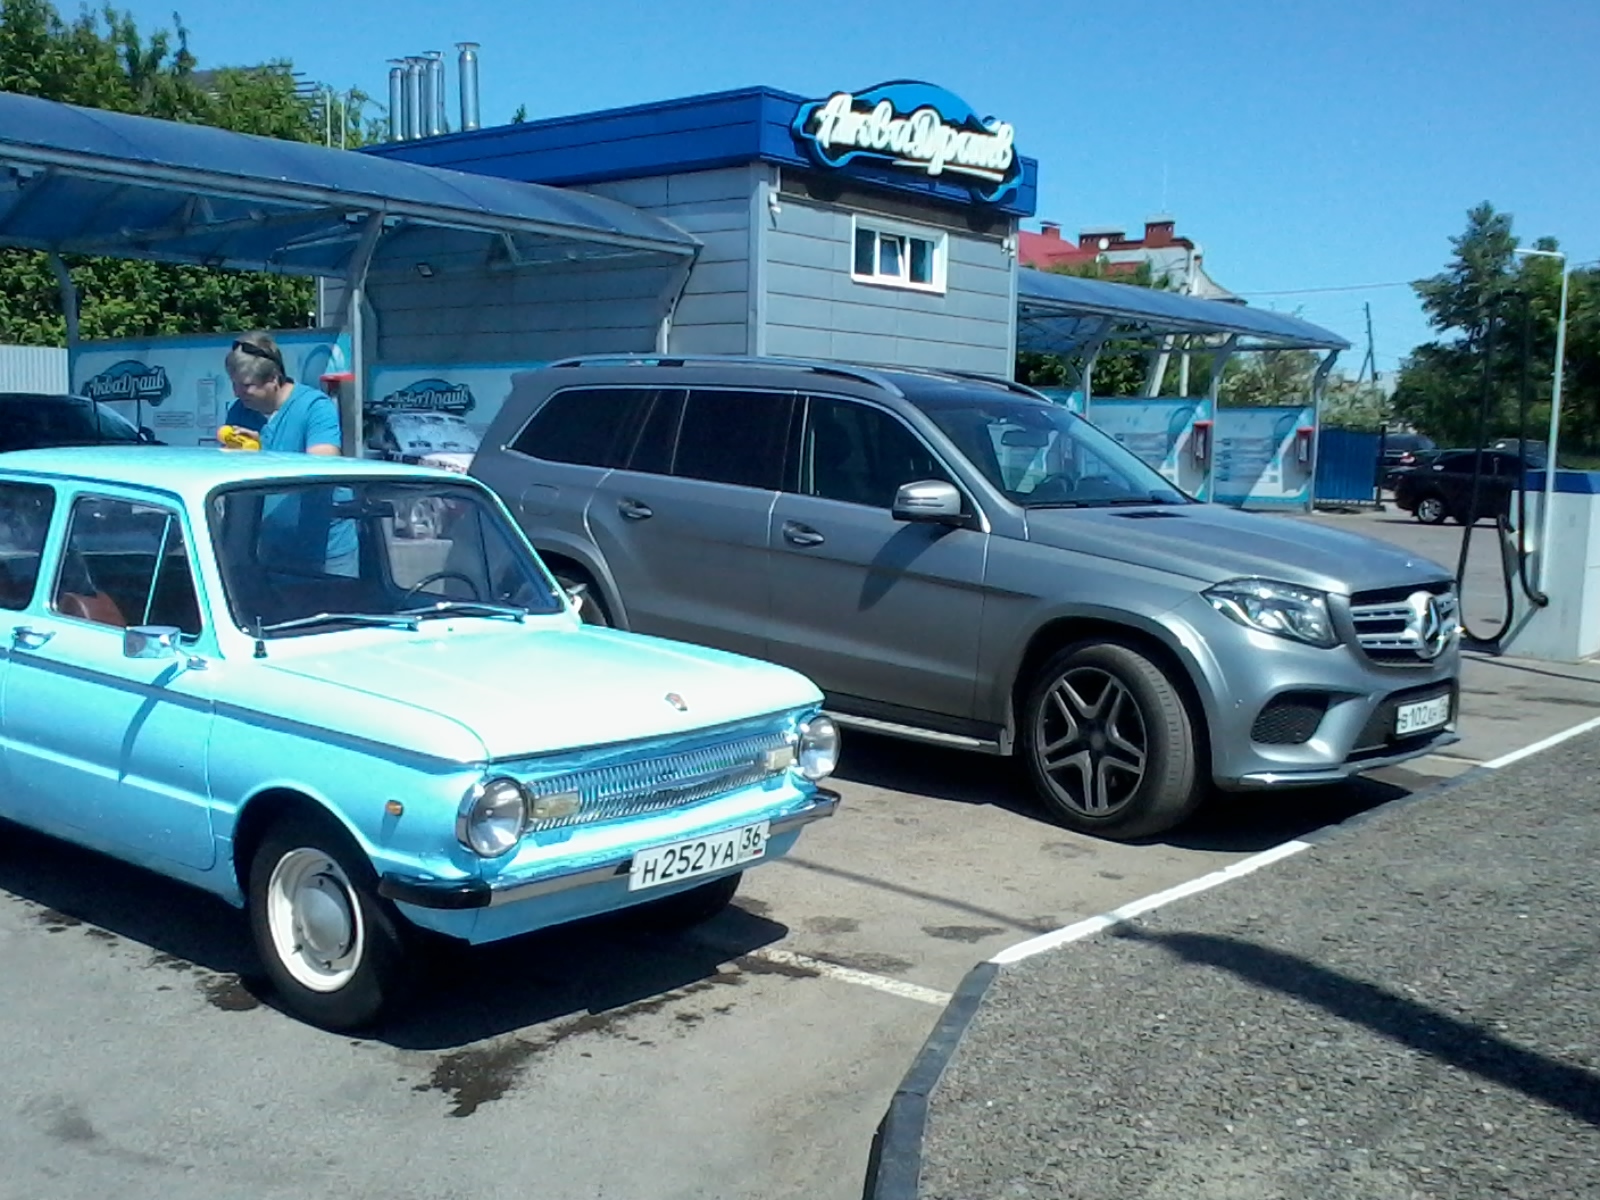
(930, 501)
(151, 641)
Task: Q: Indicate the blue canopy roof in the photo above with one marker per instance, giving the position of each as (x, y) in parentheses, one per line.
(85, 181)
(1059, 313)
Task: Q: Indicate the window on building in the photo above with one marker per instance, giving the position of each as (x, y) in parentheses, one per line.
(900, 256)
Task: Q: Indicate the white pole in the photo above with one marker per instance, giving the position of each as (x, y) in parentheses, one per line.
(1555, 433)
(1553, 438)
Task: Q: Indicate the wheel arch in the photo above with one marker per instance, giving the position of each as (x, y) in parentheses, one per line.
(1173, 660)
(264, 810)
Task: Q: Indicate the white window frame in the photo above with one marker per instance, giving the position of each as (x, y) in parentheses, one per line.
(939, 240)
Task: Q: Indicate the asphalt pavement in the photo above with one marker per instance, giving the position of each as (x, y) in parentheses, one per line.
(752, 1059)
(1405, 1010)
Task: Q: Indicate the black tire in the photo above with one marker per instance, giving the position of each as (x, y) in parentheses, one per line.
(592, 610)
(1431, 510)
(1110, 743)
(684, 910)
(338, 882)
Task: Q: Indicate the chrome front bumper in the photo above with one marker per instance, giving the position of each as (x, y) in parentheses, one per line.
(459, 894)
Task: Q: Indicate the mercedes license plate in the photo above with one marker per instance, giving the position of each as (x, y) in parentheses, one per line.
(1422, 716)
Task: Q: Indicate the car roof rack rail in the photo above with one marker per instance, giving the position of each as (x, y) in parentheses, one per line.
(859, 374)
(1011, 385)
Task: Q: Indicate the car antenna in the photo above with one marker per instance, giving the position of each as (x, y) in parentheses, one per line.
(261, 645)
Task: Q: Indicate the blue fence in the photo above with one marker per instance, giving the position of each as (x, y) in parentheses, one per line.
(1347, 467)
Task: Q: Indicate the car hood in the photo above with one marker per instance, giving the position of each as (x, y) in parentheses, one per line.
(526, 691)
(1210, 543)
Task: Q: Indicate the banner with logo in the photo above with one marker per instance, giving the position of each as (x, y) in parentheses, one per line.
(177, 387)
(474, 392)
(1161, 431)
(1262, 459)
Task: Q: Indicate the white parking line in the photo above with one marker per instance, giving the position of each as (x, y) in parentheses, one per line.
(1082, 929)
(1555, 739)
(1090, 925)
(878, 983)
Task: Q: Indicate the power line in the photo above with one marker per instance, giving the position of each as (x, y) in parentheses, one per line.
(1355, 287)
(1365, 287)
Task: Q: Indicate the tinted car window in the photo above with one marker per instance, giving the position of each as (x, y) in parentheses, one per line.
(859, 454)
(25, 510)
(1465, 463)
(592, 427)
(652, 453)
(30, 422)
(734, 437)
(125, 564)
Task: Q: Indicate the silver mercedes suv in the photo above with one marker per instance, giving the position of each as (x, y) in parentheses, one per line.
(958, 560)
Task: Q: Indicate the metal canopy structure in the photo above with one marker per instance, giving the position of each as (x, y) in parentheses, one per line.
(1062, 314)
(84, 181)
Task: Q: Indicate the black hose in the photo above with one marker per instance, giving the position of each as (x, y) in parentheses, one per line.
(1507, 545)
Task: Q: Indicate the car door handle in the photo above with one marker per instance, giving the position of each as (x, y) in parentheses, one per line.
(797, 534)
(634, 511)
(29, 639)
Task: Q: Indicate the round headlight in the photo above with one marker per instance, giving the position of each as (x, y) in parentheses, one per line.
(493, 820)
(819, 748)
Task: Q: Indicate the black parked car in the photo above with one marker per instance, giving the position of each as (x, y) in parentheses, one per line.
(1442, 489)
(1404, 450)
(39, 420)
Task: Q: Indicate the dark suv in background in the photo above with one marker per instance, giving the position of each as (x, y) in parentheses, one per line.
(1442, 489)
(960, 561)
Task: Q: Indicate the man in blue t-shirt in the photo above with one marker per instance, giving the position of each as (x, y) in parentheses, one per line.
(298, 419)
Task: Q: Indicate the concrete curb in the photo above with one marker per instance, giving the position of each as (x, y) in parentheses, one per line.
(894, 1165)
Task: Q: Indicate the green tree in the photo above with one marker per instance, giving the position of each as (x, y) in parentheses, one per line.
(1442, 382)
(100, 60)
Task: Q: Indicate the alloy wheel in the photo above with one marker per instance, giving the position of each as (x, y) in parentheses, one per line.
(1091, 742)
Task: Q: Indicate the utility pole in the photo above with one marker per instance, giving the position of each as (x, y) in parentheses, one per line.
(1371, 359)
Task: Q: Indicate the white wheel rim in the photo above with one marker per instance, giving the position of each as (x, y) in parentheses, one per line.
(315, 920)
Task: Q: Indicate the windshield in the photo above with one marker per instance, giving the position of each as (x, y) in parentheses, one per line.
(33, 422)
(1041, 455)
(303, 558)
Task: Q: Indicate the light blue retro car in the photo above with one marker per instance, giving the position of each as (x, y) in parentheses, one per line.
(234, 668)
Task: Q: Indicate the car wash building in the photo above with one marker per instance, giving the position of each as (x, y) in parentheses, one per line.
(878, 226)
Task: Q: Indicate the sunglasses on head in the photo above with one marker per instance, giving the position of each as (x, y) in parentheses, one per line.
(257, 352)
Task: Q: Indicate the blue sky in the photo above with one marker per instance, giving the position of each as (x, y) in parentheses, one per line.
(1303, 145)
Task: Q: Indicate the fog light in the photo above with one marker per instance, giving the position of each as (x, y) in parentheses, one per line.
(556, 806)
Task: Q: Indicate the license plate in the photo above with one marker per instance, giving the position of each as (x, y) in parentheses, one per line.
(700, 856)
(1422, 716)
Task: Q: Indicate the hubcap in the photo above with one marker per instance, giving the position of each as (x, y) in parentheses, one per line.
(1431, 510)
(315, 920)
(1091, 742)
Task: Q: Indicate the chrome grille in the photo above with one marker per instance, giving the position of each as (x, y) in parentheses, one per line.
(1393, 626)
(649, 785)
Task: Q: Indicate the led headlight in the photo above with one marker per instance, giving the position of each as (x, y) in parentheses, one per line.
(819, 748)
(1281, 609)
(493, 818)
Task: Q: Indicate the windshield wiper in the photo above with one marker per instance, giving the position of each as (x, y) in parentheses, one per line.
(391, 620)
(468, 608)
